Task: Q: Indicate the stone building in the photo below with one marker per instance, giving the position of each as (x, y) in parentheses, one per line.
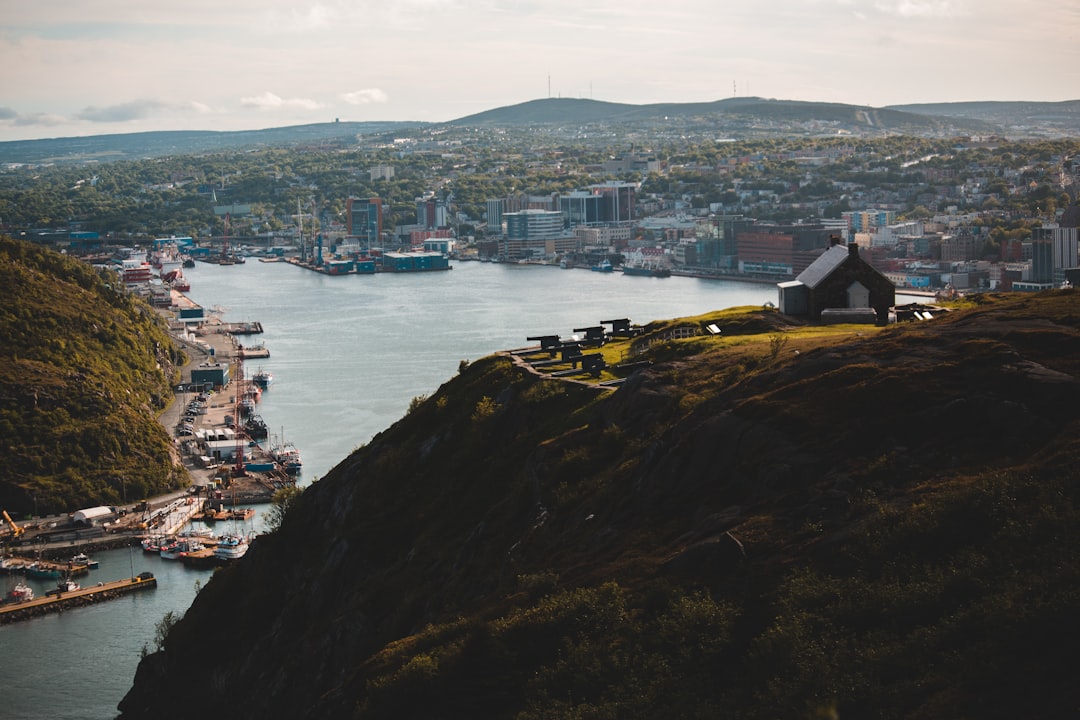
(839, 287)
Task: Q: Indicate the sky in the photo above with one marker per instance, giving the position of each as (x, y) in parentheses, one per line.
(79, 67)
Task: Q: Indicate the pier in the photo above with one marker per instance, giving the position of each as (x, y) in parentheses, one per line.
(241, 328)
(59, 600)
(249, 352)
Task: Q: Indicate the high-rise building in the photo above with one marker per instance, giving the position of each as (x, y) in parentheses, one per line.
(494, 217)
(582, 208)
(1064, 249)
(431, 212)
(364, 218)
(715, 240)
(621, 205)
(533, 224)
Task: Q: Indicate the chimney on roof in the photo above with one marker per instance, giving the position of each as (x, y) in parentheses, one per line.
(853, 249)
(834, 240)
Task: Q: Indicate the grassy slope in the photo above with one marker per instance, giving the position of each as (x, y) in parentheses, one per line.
(774, 522)
(82, 373)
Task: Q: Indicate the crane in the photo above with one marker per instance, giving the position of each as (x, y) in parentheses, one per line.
(16, 531)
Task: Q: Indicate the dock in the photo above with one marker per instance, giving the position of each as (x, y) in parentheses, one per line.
(241, 328)
(58, 600)
(248, 352)
(40, 568)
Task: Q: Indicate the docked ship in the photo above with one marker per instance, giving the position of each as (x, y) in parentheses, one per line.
(646, 271)
(175, 279)
(255, 428)
(20, 593)
(263, 378)
(230, 547)
(166, 259)
(288, 457)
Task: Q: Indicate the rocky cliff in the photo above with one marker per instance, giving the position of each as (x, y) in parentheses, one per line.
(772, 522)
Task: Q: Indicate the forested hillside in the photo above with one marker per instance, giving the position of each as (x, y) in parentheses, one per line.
(84, 368)
(775, 521)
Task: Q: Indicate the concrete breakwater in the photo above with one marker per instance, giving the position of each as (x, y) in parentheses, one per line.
(58, 600)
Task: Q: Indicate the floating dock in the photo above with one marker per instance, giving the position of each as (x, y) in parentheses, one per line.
(252, 351)
(58, 600)
(241, 328)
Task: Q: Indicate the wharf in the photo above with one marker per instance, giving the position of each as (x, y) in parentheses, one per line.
(176, 515)
(241, 328)
(208, 514)
(43, 568)
(61, 600)
(248, 352)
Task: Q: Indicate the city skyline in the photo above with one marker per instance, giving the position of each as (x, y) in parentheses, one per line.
(75, 69)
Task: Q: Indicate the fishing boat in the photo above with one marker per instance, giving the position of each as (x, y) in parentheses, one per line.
(153, 545)
(253, 393)
(602, 266)
(180, 548)
(170, 551)
(20, 593)
(230, 547)
(84, 559)
(43, 571)
(255, 428)
(64, 585)
(288, 457)
(263, 378)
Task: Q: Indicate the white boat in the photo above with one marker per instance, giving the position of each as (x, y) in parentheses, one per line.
(20, 593)
(230, 547)
(84, 559)
(65, 585)
(288, 456)
(171, 551)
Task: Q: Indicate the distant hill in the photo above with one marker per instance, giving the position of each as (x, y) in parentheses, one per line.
(776, 521)
(84, 370)
(577, 111)
(737, 115)
(1060, 116)
(132, 146)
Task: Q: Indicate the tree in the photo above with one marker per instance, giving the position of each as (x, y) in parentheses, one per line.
(280, 503)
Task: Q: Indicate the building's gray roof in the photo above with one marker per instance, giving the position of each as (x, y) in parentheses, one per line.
(824, 266)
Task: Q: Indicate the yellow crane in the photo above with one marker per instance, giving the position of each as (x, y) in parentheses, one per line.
(16, 531)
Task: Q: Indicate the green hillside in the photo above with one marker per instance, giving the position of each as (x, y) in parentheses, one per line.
(580, 111)
(84, 369)
(775, 522)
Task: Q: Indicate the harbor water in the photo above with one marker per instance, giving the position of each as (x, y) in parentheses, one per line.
(347, 353)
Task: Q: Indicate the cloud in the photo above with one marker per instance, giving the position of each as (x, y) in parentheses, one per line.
(270, 101)
(921, 8)
(125, 112)
(8, 114)
(40, 119)
(365, 97)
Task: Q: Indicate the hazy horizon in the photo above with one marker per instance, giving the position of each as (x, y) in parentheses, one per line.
(75, 69)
